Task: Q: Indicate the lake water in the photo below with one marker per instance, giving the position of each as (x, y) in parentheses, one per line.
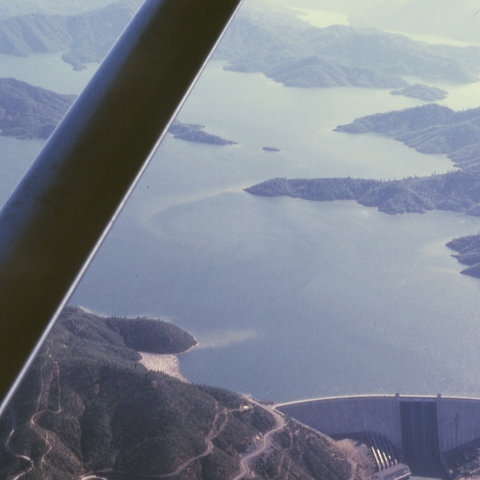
(290, 298)
(47, 71)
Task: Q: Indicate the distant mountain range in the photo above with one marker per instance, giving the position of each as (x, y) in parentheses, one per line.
(429, 129)
(14, 8)
(303, 56)
(89, 409)
(285, 49)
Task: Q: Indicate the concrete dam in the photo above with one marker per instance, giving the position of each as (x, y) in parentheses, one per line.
(422, 429)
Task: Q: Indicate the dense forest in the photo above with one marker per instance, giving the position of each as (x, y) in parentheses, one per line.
(88, 407)
(30, 112)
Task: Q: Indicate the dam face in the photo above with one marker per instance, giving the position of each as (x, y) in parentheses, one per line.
(419, 426)
(422, 428)
(346, 415)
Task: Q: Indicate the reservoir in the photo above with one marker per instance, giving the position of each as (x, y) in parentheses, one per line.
(288, 298)
(291, 298)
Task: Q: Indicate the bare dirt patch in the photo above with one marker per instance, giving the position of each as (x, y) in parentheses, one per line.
(168, 364)
(363, 465)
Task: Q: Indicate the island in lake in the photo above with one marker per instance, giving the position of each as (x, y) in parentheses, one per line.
(271, 149)
(422, 92)
(194, 133)
(89, 408)
(429, 129)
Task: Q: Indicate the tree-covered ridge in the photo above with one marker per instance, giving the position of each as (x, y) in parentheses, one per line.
(299, 55)
(89, 409)
(468, 253)
(30, 112)
(429, 129)
(85, 38)
(280, 46)
(422, 92)
(454, 191)
(140, 334)
(457, 191)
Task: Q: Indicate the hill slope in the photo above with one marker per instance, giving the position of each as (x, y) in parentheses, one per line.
(87, 407)
(258, 40)
(429, 129)
(30, 112)
(86, 37)
(299, 55)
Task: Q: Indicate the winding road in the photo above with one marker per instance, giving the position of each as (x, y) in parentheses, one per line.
(264, 444)
(15, 454)
(43, 401)
(219, 423)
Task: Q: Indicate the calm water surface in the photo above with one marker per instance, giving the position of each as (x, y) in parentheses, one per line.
(288, 298)
(291, 298)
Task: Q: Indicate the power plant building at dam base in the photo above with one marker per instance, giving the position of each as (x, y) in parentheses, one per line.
(404, 433)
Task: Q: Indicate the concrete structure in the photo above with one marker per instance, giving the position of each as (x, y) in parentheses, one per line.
(397, 472)
(423, 428)
(344, 415)
(458, 421)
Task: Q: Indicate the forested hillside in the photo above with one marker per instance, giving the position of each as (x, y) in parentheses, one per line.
(89, 408)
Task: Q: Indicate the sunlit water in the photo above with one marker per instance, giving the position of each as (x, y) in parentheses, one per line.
(47, 71)
(321, 18)
(290, 298)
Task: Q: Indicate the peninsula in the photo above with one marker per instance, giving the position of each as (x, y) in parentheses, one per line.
(455, 191)
(89, 409)
(429, 129)
(29, 112)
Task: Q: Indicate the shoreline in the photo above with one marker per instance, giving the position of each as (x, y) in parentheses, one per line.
(166, 363)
